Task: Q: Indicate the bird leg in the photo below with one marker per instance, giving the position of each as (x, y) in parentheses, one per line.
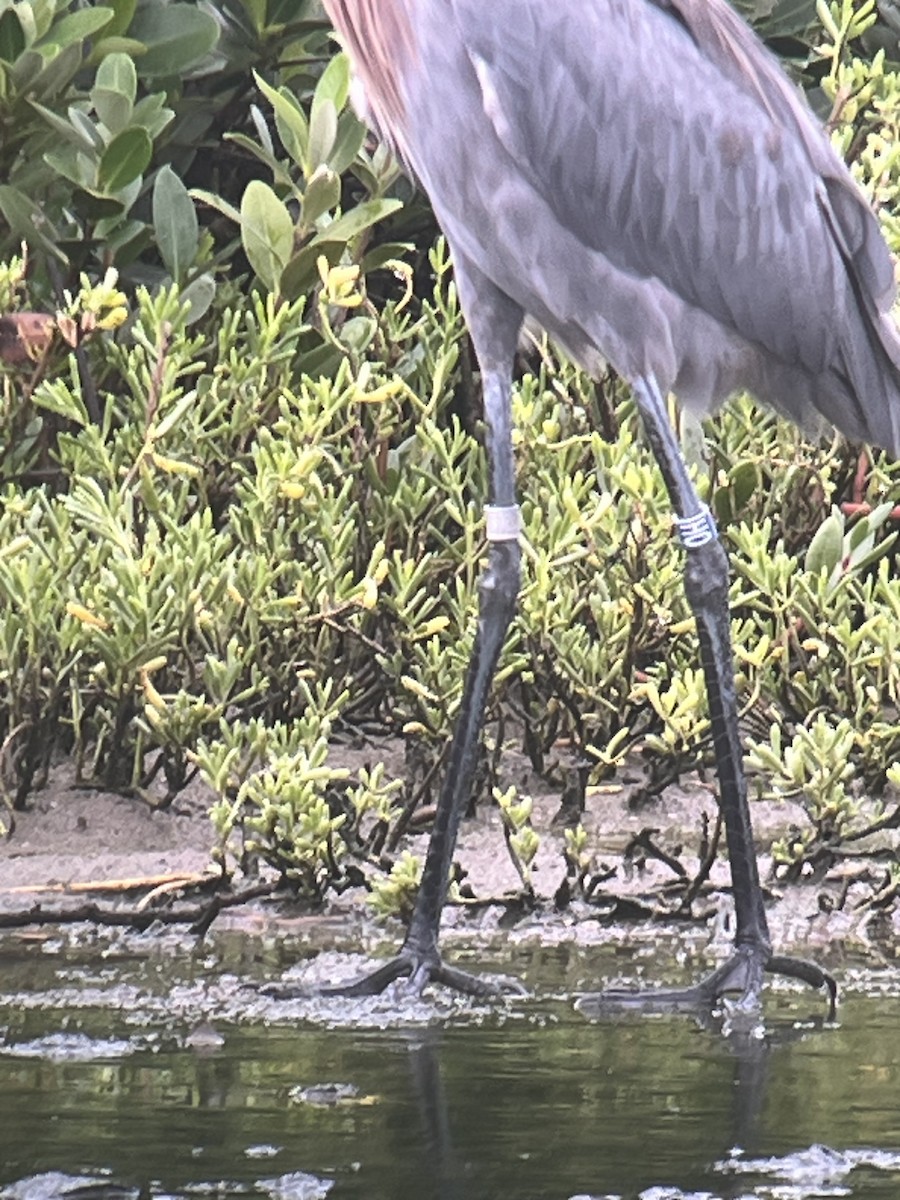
(494, 321)
(419, 959)
(706, 586)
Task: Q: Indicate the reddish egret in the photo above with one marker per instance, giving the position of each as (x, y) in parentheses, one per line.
(640, 178)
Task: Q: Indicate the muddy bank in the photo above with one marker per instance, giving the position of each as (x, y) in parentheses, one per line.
(74, 843)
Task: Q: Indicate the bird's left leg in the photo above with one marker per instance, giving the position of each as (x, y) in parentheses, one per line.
(494, 322)
(706, 586)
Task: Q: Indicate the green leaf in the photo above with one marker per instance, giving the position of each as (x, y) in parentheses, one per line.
(384, 253)
(124, 159)
(123, 240)
(57, 398)
(360, 218)
(787, 18)
(745, 480)
(199, 295)
(56, 74)
(866, 526)
(267, 233)
(358, 332)
(151, 114)
(322, 134)
(864, 556)
(176, 413)
(262, 130)
(12, 36)
(175, 222)
(256, 11)
(35, 18)
(291, 121)
(254, 148)
(123, 14)
(68, 163)
(216, 202)
(178, 38)
(322, 195)
(322, 360)
(826, 548)
(76, 135)
(113, 109)
(351, 134)
(114, 91)
(105, 46)
(28, 221)
(76, 26)
(333, 85)
(302, 271)
(96, 208)
(86, 128)
(23, 72)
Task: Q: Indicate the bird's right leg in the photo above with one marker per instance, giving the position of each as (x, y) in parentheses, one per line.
(706, 586)
(494, 322)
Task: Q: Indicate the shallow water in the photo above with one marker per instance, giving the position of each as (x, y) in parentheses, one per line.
(127, 1071)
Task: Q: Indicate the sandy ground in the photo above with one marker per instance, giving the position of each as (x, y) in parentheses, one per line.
(72, 840)
(72, 834)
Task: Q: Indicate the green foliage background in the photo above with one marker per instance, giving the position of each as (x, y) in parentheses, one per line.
(240, 488)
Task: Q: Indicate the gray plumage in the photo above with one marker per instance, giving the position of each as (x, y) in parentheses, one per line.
(643, 180)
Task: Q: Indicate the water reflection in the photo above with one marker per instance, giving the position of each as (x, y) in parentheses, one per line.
(532, 1104)
(751, 1051)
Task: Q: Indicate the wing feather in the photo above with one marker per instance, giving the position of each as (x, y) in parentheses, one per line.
(664, 137)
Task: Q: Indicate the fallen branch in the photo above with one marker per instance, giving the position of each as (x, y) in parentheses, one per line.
(170, 881)
(198, 916)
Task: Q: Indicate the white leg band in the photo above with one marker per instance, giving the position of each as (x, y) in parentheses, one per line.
(696, 531)
(502, 524)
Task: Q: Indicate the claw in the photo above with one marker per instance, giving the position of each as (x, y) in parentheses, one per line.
(806, 972)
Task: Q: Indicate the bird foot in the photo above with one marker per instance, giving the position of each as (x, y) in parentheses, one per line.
(742, 974)
(417, 970)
